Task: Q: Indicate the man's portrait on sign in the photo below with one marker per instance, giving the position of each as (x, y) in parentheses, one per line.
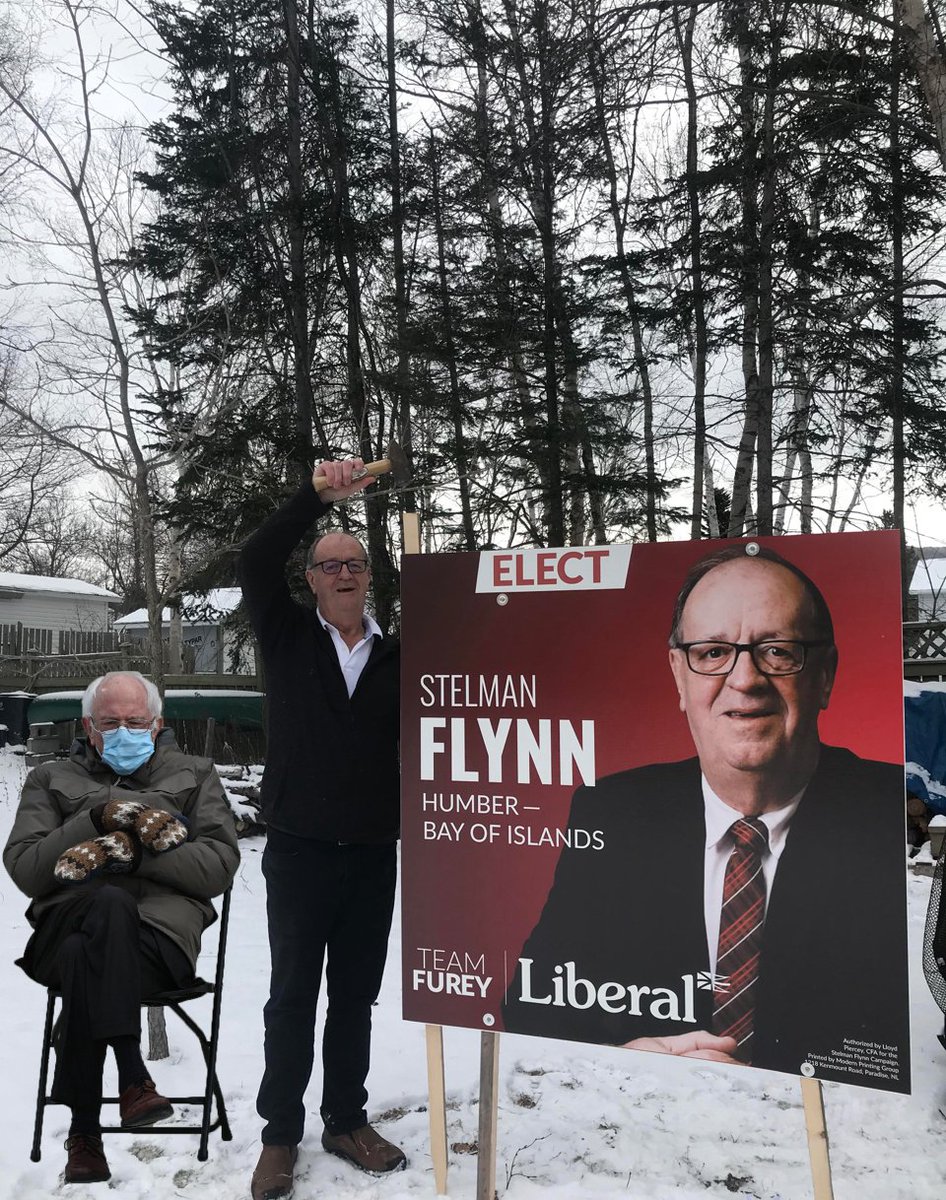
(765, 911)
(700, 822)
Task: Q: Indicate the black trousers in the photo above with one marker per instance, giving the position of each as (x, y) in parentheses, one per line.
(332, 904)
(95, 951)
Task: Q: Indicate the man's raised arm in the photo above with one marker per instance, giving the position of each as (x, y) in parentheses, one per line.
(266, 552)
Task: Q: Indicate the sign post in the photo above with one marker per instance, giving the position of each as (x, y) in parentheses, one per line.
(436, 1088)
(812, 1095)
(489, 1105)
(437, 1106)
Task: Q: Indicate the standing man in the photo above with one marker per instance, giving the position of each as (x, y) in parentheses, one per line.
(117, 916)
(732, 912)
(331, 801)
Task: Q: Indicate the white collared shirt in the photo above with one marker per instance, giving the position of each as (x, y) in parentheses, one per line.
(719, 845)
(353, 661)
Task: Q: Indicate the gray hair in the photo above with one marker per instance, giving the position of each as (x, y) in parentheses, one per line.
(152, 695)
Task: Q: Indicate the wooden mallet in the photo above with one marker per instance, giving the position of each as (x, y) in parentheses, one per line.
(395, 463)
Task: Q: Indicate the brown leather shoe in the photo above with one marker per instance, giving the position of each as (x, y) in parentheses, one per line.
(272, 1179)
(141, 1105)
(366, 1149)
(86, 1162)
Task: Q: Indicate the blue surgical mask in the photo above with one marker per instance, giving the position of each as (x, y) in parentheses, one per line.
(126, 749)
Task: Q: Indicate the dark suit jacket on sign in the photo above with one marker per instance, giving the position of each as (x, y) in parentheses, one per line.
(832, 988)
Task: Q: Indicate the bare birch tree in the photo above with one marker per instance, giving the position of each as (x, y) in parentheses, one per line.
(923, 36)
(78, 220)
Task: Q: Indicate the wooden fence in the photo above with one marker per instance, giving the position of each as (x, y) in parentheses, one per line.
(19, 639)
(38, 672)
(53, 673)
(924, 650)
(43, 660)
(77, 641)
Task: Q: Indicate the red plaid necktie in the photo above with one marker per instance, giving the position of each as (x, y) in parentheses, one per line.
(741, 921)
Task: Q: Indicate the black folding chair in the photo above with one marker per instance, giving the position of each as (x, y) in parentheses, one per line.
(208, 1044)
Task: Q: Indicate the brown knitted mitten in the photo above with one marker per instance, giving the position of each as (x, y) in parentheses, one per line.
(112, 854)
(158, 830)
(118, 814)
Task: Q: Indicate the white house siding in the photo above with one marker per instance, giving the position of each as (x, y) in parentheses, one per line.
(211, 643)
(930, 607)
(46, 610)
(928, 585)
(204, 641)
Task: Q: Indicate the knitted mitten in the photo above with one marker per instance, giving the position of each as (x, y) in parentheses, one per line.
(117, 814)
(158, 830)
(112, 854)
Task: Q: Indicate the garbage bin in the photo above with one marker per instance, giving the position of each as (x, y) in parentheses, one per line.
(13, 709)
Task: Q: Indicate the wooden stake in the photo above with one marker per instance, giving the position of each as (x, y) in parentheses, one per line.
(437, 1106)
(436, 1088)
(813, 1101)
(411, 533)
(489, 1103)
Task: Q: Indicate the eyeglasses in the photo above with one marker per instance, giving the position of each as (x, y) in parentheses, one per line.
(332, 566)
(775, 657)
(110, 724)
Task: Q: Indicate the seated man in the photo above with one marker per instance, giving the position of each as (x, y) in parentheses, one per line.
(120, 847)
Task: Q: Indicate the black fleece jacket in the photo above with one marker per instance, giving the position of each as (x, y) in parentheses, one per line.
(332, 769)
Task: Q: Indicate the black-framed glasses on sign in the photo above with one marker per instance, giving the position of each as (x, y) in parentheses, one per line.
(774, 656)
(332, 566)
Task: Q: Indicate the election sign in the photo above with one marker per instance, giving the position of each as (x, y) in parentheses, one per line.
(653, 796)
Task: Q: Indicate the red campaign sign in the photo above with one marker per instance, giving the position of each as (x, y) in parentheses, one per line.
(571, 784)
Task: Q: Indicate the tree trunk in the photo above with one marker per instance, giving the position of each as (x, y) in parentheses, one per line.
(154, 598)
(898, 350)
(175, 617)
(742, 479)
(541, 183)
(572, 423)
(402, 404)
(766, 283)
(700, 338)
(456, 403)
(345, 248)
(505, 303)
(709, 499)
(925, 45)
(598, 66)
(799, 451)
(595, 506)
(297, 300)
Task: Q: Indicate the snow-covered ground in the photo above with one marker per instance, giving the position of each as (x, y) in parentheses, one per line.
(574, 1122)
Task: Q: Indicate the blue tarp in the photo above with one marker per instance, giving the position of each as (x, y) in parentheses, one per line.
(925, 719)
